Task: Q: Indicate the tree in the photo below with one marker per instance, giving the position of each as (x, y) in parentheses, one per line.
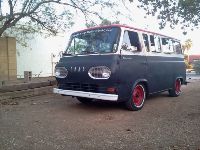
(186, 47)
(183, 12)
(103, 23)
(52, 16)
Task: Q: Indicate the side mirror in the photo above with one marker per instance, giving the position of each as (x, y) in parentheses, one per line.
(60, 54)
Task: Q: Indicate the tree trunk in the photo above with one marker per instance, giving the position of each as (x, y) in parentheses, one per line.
(2, 30)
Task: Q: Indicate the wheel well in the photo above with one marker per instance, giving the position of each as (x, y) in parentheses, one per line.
(146, 86)
(180, 79)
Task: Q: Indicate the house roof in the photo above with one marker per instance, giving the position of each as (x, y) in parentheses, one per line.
(193, 57)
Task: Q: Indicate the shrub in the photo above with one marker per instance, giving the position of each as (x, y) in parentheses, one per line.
(188, 66)
(197, 66)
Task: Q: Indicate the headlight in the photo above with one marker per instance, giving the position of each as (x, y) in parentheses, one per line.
(100, 72)
(61, 72)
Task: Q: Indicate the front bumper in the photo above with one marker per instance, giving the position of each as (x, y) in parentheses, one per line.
(102, 96)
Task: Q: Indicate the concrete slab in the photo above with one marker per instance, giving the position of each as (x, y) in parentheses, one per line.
(25, 86)
(25, 93)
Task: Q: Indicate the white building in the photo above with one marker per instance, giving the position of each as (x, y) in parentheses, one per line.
(40, 56)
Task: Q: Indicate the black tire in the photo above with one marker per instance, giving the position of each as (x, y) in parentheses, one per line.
(176, 89)
(138, 96)
(85, 100)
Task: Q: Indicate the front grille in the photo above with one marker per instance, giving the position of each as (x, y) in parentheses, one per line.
(83, 87)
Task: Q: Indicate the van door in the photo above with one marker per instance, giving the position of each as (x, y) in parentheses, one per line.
(133, 64)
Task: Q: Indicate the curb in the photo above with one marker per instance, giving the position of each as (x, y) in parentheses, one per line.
(25, 93)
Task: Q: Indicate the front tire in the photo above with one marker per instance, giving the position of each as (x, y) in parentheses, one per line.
(138, 96)
(84, 100)
(176, 89)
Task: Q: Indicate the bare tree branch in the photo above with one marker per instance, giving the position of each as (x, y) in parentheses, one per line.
(11, 7)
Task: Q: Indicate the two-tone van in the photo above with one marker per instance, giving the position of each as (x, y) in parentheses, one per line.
(120, 63)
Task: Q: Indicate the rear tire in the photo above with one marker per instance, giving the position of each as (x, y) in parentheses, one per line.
(176, 89)
(85, 100)
(138, 96)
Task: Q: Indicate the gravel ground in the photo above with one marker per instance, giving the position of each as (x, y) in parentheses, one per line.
(54, 122)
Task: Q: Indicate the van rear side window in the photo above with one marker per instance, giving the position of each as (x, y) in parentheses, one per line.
(177, 47)
(167, 45)
(155, 43)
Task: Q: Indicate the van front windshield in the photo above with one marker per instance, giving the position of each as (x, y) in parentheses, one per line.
(96, 41)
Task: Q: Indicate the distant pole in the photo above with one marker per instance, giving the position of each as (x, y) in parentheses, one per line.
(52, 64)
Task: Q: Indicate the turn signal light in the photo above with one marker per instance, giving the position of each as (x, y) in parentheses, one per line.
(111, 90)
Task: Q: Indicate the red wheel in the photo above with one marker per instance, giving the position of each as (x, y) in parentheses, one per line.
(178, 86)
(176, 90)
(137, 99)
(138, 95)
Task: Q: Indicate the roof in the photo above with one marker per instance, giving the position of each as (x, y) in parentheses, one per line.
(193, 57)
(124, 26)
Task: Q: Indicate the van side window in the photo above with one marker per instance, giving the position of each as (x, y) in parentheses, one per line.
(167, 45)
(171, 48)
(155, 43)
(146, 42)
(177, 47)
(131, 39)
(152, 43)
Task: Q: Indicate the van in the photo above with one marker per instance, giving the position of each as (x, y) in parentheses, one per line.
(120, 63)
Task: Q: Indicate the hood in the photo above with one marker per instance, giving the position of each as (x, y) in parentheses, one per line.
(78, 67)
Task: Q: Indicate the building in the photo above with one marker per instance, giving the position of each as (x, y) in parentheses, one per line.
(8, 63)
(192, 58)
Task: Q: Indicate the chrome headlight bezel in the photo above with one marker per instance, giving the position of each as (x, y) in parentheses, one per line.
(99, 72)
(61, 72)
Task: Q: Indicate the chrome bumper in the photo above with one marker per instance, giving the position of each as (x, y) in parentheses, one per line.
(109, 97)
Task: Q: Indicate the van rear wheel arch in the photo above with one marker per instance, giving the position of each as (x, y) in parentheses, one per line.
(137, 98)
(175, 91)
(138, 95)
